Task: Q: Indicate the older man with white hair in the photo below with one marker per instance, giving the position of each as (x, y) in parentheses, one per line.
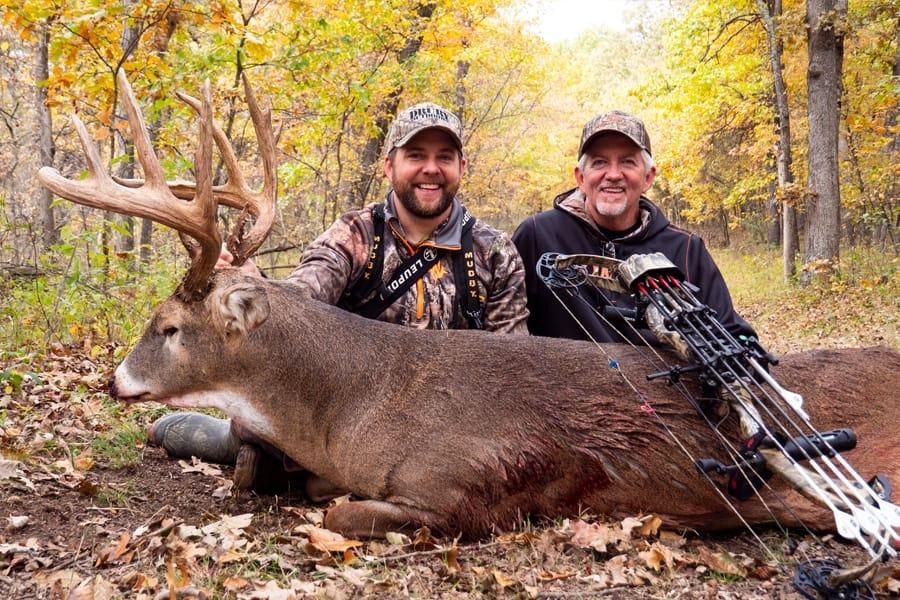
(608, 215)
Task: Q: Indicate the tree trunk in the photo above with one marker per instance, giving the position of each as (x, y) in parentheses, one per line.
(360, 188)
(825, 20)
(773, 225)
(124, 147)
(770, 10)
(49, 234)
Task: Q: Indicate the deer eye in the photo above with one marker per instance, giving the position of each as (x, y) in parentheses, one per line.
(170, 331)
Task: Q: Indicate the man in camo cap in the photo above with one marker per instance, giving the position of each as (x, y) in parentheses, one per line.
(416, 258)
(607, 214)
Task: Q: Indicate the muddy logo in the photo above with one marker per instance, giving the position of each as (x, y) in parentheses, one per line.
(429, 254)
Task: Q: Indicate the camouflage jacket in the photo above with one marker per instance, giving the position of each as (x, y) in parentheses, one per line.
(337, 258)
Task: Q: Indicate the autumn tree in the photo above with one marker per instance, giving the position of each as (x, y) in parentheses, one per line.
(825, 21)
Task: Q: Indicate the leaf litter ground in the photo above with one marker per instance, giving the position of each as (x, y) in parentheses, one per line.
(88, 511)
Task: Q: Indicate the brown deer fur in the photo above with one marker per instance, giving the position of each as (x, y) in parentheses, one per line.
(465, 431)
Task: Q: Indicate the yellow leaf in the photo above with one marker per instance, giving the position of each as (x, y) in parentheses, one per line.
(503, 580)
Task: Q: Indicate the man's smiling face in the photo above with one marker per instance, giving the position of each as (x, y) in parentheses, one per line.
(613, 178)
(425, 173)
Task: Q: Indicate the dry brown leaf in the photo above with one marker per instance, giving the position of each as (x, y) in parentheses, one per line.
(269, 590)
(618, 569)
(656, 556)
(596, 536)
(503, 580)
(84, 461)
(114, 551)
(94, 588)
(452, 560)
(234, 583)
(721, 562)
(325, 540)
(651, 525)
(65, 579)
(548, 575)
(17, 522)
(230, 556)
(198, 466)
(423, 540)
(629, 524)
(672, 539)
(397, 539)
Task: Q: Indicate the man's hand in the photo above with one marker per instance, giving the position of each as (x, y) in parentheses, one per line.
(226, 258)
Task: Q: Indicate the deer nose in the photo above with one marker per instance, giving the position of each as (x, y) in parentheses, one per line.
(111, 387)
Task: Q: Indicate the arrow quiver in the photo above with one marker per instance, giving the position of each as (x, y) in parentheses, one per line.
(778, 437)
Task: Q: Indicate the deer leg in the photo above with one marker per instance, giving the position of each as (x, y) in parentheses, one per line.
(322, 490)
(375, 518)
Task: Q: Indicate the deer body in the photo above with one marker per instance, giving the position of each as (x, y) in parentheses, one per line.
(463, 431)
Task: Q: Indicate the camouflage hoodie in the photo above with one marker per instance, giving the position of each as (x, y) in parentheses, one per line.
(337, 258)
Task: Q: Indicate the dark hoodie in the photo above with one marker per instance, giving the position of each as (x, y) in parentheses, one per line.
(567, 229)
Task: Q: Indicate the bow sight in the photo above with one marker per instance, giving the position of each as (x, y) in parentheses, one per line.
(777, 434)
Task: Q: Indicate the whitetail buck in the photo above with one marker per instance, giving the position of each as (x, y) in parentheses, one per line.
(462, 431)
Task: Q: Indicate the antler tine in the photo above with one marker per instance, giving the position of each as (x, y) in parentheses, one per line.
(153, 173)
(236, 193)
(203, 258)
(268, 198)
(151, 199)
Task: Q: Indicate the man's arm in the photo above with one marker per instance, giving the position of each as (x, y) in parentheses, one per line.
(332, 261)
(505, 306)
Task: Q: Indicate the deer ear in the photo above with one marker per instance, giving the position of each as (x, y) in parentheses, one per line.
(240, 308)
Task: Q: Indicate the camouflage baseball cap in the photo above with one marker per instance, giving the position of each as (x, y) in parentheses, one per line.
(615, 120)
(420, 117)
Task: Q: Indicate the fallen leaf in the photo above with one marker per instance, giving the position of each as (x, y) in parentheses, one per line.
(452, 559)
(268, 591)
(423, 540)
(651, 525)
(17, 522)
(94, 588)
(721, 562)
(657, 556)
(397, 539)
(548, 575)
(629, 524)
(65, 578)
(325, 540)
(224, 489)
(198, 466)
(503, 580)
(234, 583)
(9, 468)
(596, 536)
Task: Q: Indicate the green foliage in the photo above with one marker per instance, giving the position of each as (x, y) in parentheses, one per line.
(120, 447)
(82, 295)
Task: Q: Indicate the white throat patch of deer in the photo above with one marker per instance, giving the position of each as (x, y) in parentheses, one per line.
(461, 431)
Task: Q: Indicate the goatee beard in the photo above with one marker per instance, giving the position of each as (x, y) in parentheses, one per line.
(407, 197)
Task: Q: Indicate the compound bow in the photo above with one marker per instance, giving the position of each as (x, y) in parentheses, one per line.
(778, 437)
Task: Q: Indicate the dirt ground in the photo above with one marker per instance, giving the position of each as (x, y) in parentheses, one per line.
(89, 512)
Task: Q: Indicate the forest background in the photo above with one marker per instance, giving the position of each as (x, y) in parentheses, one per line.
(775, 130)
(730, 132)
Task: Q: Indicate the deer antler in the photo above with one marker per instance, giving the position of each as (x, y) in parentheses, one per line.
(236, 193)
(188, 208)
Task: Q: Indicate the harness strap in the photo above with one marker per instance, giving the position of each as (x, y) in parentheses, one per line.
(411, 270)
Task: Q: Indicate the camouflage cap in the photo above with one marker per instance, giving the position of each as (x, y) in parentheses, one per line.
(618, 121)
(420, 117)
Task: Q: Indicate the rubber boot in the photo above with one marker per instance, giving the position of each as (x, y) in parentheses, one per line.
(187, 434)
